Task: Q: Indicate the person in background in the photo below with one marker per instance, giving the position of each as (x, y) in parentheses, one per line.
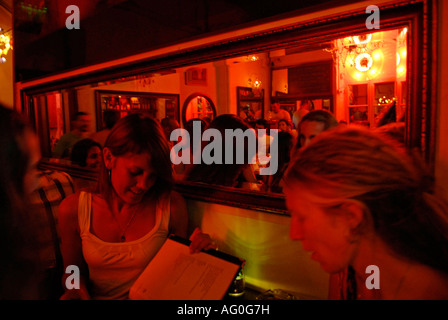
(277, 112)
(110, 117)
(53, 187)
(285, 145)
(168, 125)
(358, 199)
(305, 107)
(285, 126)
(86, 153)
(226, 174)
(264, 141)
(312, 124)
(247, 114)
(181, 170)
(113, 234)
(81, 126)
(207, 121)
(20, 270)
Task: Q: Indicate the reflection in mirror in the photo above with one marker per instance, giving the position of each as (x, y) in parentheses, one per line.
(198, 106)
(55, 118)
(370, 68)
(360, 79)
(158, 105)
(357, 94)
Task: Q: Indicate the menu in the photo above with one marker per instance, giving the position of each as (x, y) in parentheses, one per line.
(176, 274)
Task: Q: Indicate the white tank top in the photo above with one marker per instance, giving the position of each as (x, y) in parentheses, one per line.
(114, 267)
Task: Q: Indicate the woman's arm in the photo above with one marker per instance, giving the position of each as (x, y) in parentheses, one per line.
(71, 247)
(249, 174)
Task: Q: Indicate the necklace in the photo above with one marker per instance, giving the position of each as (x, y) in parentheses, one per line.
(123, 231)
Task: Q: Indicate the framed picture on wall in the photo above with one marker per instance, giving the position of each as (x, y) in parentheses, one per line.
(196, 76)
(250, 103)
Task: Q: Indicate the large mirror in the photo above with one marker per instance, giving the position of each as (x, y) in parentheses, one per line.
(363, 77)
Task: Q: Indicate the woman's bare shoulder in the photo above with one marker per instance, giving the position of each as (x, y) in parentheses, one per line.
(176, 197)
(69, 206)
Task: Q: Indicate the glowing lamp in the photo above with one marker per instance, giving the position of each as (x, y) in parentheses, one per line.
(253, 58)
(403, 52)
(362, 39)
(376, 55)
(363, 62)
(257, 83)
(401, 71)
(358, 75)
(404, 32)
(5, 45)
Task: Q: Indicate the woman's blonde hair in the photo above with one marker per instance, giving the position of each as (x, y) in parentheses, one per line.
(355, 164)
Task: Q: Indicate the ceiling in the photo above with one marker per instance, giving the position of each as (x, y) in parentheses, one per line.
(112, 29)
(6, 14)
(7, 4)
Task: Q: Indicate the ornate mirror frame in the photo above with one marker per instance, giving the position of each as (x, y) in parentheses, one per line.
(418, 16)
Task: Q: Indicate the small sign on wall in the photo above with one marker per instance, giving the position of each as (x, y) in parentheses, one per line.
(196, 76)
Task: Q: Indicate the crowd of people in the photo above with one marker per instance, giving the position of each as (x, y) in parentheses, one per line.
(85, 149)
(357, 198)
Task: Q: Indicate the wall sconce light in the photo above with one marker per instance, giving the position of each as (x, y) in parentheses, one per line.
(254, 82)
(257, 84)
(363, 62)
(252, 58)
(5, 44)
(359, 54)
(363, 39)
(402, 53)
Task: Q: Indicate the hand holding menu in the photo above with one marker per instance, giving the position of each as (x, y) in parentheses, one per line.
(176, 274)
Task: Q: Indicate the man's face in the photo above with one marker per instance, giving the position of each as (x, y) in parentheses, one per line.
(276, 107)
(83, 123)
(309, 130)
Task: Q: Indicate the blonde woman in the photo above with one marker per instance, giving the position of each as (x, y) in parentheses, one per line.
(359, 200)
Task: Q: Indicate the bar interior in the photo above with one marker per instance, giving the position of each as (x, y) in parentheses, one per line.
(104, 85)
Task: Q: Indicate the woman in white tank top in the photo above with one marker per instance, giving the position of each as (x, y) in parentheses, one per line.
(112, 234)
